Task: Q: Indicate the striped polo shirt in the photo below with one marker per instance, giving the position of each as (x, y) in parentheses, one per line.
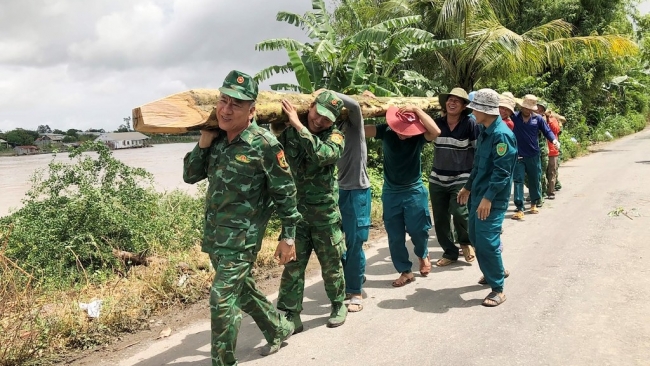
(454, 152)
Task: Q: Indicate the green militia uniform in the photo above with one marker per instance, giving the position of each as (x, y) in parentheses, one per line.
(246, 176)
(543, 157)
(313, 158)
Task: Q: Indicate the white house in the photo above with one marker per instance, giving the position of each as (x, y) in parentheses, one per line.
(123, 140)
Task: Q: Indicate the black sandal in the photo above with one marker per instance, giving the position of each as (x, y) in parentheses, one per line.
(493, 296)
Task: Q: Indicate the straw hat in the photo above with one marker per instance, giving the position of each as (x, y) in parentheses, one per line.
(507, 102)
(509, 94)
(404, 123)
(529, 102)
(486, 101)
(457, 92)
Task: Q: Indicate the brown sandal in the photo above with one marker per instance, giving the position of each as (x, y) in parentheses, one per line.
(425, 266)
(468, 253)
(355, 305)
(444, 262)
(404, 279)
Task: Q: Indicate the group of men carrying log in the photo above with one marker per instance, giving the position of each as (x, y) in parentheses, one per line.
(252, 173)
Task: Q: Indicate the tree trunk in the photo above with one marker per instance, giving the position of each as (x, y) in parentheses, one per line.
(194, 110)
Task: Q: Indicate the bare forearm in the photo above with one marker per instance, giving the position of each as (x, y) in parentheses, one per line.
(433, 131)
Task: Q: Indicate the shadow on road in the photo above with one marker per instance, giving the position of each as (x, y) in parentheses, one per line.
(194, 345)
(195, 348)
(435, 301)
(643, 162)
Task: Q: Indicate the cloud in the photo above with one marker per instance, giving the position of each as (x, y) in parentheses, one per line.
(86, 64)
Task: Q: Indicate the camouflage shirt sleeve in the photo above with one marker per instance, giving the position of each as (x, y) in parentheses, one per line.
(322, 152)
(195, 165)
(282, 189)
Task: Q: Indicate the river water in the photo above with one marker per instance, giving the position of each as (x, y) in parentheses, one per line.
(164, 161)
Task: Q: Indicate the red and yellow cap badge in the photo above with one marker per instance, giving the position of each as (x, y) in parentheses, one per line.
(240, 80)
(329, 105)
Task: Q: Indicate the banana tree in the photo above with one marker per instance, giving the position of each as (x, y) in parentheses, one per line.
(369, 59)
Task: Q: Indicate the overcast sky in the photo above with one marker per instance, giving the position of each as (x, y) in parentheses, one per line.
(86, 63)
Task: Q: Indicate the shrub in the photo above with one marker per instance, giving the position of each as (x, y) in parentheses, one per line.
(76, 215)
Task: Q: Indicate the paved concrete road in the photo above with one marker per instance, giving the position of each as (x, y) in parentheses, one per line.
(579, 293)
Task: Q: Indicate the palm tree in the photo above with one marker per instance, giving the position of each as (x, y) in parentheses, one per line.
(491, 50)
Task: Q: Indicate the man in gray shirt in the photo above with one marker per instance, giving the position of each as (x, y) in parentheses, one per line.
(354, 199)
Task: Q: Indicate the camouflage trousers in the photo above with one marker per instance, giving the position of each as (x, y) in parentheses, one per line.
(327, 241)
(543, 181)
(558, 185)
(233, 291)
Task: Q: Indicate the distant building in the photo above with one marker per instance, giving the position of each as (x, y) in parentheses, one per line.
(89, 133)
(4, 143)
(49, 139)
(123, 140)
(25, 150)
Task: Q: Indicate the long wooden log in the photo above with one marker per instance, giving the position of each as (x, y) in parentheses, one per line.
(194, 109)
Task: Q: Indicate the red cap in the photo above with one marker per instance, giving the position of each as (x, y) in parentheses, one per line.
(404, 123)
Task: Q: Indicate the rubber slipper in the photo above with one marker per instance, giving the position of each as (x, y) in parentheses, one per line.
(494, 297)
(468, 253)
(403, 280)
(355, 305)
(425, 266)
(444, 262)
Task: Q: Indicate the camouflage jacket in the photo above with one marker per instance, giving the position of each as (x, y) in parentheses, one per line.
(543, 146)
(245, 177)
(312, 159)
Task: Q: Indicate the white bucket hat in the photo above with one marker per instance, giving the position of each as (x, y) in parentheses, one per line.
(486, 101)
(529, 102)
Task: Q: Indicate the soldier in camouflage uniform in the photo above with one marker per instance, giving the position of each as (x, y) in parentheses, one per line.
(312, 152)
(543, 157)
(247, 174)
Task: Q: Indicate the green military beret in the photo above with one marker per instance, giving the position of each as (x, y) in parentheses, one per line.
(329, 105)
(239, 86)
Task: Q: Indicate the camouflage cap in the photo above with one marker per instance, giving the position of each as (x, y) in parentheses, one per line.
(239, 86)
(329, 105)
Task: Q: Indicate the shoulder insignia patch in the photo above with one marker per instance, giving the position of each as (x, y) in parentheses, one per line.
(242, 158)
(281, 160)
(502, 148)
(336, 138)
